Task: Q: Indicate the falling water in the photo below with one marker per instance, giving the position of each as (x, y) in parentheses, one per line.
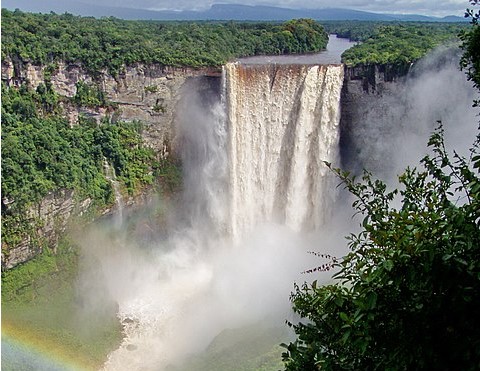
(112, 178)
(252, 146)
(283, 123)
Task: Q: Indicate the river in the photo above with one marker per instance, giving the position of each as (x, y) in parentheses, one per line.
(332, 55)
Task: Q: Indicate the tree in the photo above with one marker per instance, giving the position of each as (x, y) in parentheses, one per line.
(471, 45)
(407, 295)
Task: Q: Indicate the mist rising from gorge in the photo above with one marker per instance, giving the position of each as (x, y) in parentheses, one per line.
(177, 291)
(392, 129)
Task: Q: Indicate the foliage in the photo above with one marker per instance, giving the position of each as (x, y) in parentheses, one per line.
(405, 296)
(384, 42)
(121, 144)
(110, 43)
(41, 153)
(471, 46)
(354, 30)
(89, 95)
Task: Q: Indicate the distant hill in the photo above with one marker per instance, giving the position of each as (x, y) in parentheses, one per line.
(216, 12)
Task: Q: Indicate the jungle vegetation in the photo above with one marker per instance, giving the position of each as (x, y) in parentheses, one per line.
(393, 43)
(42, 153)
(111, 43)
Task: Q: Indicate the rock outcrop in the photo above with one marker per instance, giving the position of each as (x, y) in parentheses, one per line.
(50, 219)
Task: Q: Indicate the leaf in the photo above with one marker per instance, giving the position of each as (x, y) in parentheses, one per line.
(339, 301)
(345, 337)
(388, 265)
(371, 300)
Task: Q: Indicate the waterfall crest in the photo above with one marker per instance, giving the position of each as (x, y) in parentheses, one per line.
(283, 121)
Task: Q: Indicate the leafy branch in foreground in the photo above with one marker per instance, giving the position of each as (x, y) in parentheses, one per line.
(407, 294)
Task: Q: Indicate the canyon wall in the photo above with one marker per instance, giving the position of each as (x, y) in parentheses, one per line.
(151, 94)
(148, 94)
(139, 93)
(48, 220)
(367, 95)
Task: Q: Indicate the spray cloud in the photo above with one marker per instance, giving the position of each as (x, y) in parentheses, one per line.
(176, 294)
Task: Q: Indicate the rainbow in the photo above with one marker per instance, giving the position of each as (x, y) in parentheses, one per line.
(27, 350)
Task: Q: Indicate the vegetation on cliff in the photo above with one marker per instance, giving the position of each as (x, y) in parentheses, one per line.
(387, 43)
(42, 153)
(406, 295)
(110, 43)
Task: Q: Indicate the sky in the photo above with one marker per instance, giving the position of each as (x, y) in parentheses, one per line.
(425, 7)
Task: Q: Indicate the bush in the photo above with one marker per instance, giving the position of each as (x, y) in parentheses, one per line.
(406, 295)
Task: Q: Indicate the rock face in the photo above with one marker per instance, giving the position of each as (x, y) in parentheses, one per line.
(140, 93)
(148, 94)
(50, 218)
(367, 92)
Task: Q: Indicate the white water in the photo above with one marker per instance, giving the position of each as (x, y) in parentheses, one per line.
(283, 123)
(112, 178)
(254, 172)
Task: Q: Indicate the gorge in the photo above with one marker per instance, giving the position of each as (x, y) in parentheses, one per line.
(256, 192)
(242, 242)
(257, 195)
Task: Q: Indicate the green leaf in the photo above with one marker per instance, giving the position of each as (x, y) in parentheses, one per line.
(339, 301)
(371, 300)
(388, 265)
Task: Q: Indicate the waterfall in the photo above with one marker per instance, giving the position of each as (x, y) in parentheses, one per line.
(283, 121)
(252, 146)
(201, 140)
(112, 178)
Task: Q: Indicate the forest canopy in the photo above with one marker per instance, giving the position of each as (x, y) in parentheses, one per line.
(110, 43)
(384, 42)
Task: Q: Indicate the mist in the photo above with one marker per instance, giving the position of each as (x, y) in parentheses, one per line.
(393, 126)
(178, 289)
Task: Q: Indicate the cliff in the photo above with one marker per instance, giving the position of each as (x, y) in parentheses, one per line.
(49, 219)
(151, 94)
(139, 93)
(366, 94)
(143, 93)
